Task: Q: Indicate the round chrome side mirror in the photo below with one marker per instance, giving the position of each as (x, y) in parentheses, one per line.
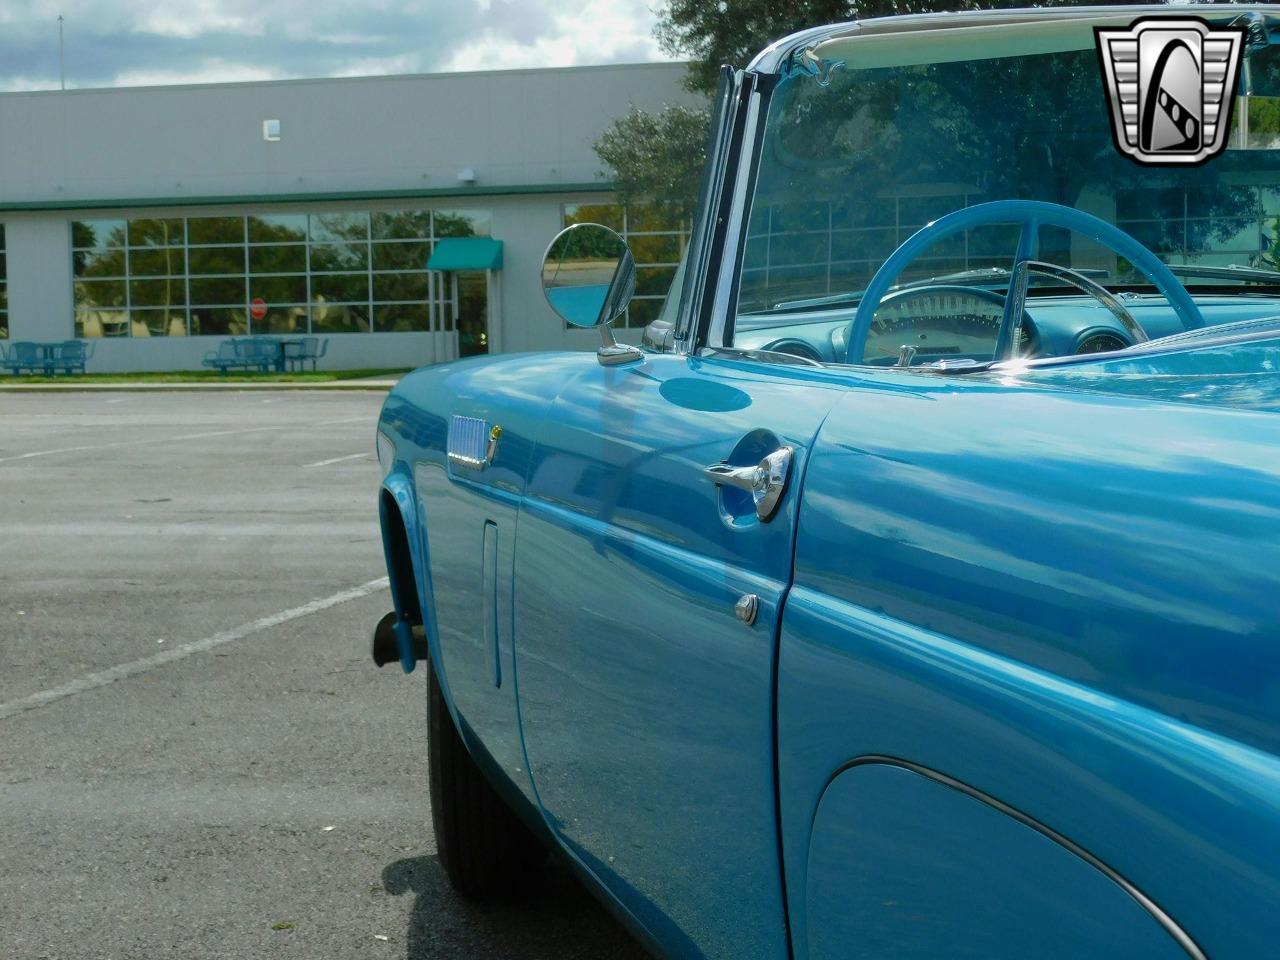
(588, 275)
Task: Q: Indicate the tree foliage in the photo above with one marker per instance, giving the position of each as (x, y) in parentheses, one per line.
(734, 31)
(657, 155)
(660, 155)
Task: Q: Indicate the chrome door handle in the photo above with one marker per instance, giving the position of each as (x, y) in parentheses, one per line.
(766, 481)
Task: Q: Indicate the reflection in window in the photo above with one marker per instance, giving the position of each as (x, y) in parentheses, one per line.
(656, 237)
(333, 272)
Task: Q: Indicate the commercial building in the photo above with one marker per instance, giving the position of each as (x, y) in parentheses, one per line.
(402, 219)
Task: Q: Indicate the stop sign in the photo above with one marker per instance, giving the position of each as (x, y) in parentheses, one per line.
(257, 308)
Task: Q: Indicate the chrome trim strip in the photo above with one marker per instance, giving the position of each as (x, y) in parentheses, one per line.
(471, 444)
(1170, 925)
(734, 229)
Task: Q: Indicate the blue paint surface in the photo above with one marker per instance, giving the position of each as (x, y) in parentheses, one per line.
(907, 868)
(1065, 599)
(1055, 585)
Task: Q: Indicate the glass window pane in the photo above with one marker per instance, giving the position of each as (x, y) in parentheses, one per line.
(208, 321)
(655, 249)
(158, 262)
(401, 256)
(401, 317)
(229, 260)
(608, 214)
(224, 290)
(399, 286)
(279, 290)
(463, 223)
(98, 263)
(97, 233)
(215, 230)
(156, 233)
(99, 293)
(158, 293)
(278, 259)
(339, 226)
(102, 323)
(870, 244)
(338, 256)
(326, 318)
(340, 288)
(641, 313)
(278, 228)
(654, 281)
(282, 320)
(401, 224)
(159, 323)
(653, 217)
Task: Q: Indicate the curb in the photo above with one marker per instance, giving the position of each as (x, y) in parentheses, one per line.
(336, 385)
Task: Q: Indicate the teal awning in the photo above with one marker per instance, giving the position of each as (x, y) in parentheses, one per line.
(466, 253)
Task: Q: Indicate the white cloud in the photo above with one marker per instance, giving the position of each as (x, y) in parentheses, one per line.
(596, 31)
(134, 42)
(193, 18)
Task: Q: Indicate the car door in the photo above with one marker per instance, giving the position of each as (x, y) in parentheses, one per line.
(1026, 695)
(645, 682)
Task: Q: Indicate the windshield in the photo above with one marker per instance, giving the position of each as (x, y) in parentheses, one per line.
(873, 137)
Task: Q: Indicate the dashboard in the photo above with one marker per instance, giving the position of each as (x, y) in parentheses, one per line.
(955, 322)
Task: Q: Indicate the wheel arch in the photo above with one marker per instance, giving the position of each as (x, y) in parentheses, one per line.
(405, 550)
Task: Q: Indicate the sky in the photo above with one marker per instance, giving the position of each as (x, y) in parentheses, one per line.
(112, 43)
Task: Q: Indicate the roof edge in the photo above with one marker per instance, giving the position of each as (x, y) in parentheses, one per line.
(411, 193)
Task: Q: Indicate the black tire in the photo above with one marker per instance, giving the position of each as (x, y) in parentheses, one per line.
(485, 849)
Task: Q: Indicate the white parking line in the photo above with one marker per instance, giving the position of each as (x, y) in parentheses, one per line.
(350, 456)
(138, 443)
(185, 436)
(92, 681)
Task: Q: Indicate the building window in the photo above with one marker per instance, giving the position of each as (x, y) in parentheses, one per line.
(269, 273)
(4, 289)
(1236, 225)
(803, 249)
(657, 238)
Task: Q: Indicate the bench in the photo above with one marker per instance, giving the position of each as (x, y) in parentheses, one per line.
(261, 352)
(69, 356)
(298, 352)
(24, 355)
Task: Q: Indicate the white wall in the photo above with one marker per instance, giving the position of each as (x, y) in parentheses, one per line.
(41, 298)
(515, 127)
(383, 142)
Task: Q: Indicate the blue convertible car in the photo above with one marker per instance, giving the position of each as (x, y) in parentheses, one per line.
(915, 591)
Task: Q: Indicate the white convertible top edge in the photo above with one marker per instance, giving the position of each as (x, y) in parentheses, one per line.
(897, 30)
(863, 51)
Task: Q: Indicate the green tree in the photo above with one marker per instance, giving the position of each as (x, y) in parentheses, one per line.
(659, 155)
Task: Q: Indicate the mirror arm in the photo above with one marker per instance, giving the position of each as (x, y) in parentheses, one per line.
(612, 353)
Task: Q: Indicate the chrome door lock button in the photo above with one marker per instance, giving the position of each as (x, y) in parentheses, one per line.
(747, 608)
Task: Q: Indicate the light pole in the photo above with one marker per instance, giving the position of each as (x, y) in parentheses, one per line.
(62, 67)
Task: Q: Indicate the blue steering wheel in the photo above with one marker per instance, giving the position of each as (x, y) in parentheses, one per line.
(1031, 215)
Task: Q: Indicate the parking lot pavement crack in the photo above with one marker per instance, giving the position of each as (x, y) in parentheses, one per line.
(93, 681)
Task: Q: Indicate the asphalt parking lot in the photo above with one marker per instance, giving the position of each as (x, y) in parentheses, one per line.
(197, 757)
